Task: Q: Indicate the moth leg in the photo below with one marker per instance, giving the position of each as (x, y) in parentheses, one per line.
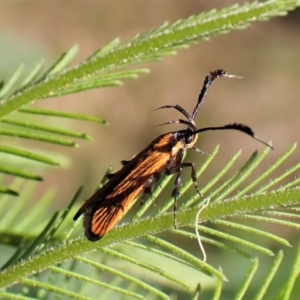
(175, 194)
(148, 187)
(178, 182)
(147, 192)
(200, 151)
(193, 174)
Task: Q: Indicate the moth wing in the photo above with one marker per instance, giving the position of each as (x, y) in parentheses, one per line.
(98, 221)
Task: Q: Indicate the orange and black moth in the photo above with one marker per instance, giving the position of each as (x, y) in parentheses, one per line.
(138, 176)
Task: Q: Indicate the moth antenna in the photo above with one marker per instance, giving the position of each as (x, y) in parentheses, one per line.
(180, 121)
(207, 82)
(235, 126)
(178, 108)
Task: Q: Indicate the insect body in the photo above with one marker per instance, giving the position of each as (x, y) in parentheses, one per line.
(138, 176)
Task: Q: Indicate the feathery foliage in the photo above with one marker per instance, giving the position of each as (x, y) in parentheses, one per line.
(140, 259)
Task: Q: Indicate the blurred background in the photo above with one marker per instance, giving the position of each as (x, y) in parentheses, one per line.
(267, 98)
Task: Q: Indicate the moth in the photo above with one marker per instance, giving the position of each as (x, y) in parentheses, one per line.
(138, 176)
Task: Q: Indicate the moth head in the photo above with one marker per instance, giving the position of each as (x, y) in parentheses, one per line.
(189, 138)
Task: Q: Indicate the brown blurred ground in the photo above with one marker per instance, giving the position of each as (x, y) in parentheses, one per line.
(267, 99)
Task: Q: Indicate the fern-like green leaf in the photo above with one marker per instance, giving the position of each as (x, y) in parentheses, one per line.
(144, 257)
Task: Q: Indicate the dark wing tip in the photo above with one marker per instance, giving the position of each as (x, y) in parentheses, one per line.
(92, 236)
(80, 211)
(87, 229)
(77, 215)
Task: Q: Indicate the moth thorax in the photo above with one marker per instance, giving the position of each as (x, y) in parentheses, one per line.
(190, 140)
